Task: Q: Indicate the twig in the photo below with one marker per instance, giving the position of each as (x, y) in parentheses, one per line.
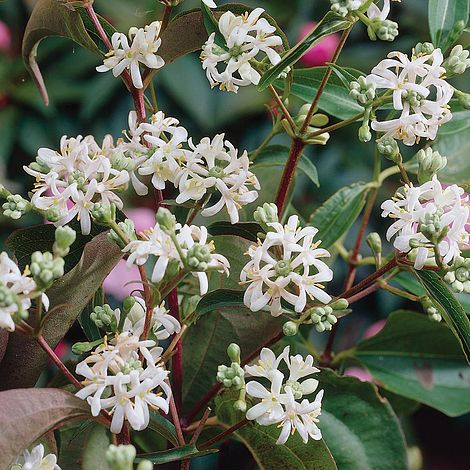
(177, 359)
(224, 434)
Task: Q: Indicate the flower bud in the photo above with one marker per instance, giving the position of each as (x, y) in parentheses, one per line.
(388, 147)
(120, 457)
(343, 7)
(290, 328)
(458, 60)
(128, 303)
(233, 352)
(166, 220)
(127, 228)
(339, 304)
(362, 91)
(198, 257)
(7, 297)
(375, 243)
(458, 275)
(429, 163)
(267, 214)
(45, 269)
(385, 30)
(104, 214)
(64, 238)
(240, 405)
(364, 133)
(423, 48)
(53, 214)
(145, 465)
(291, 132)
(16, 206)
(430, 227)
(104, 317)
(231, 377)
(430, 308)
(82, 347)
(323, 318)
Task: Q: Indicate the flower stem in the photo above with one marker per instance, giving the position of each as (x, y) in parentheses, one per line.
(96, 23)
(280, 103)
(223, 435)
(177, 359)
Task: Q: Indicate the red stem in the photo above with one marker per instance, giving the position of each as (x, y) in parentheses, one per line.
(224, 434)
(97, 25)
(148, 302)
(287, 177)
(124, 437)
(177, 358)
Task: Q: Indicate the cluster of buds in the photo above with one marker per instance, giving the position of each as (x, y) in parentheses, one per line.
(362, 91)
(317, 121)
(458, 61)
(385, 30)
(233, 376)
(430, 226)
(388, 147)
(458, 275)
(344, 7)
(122, 458)
(104, 317)
(16, 206)
(430, 308)
(430, 162)
(45, 269)
(126, 228)
(325, 317)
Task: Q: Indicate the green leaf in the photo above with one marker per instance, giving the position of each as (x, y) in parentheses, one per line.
(174, 455)
(447, 18)
(450, 309)
(24, 359)
(277, 155)
(420, 359)
(460, 122)
(27, 414)
(94, 449)
(51, 18)
(330, 23)
(261, 442)
(163, 427)
(205, 344)
(246, 230)
(92, 332)
(359, 426)
(338, 213)
(219, 299)
(335, 99)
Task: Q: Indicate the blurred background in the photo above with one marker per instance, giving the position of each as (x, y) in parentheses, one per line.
(85, 102)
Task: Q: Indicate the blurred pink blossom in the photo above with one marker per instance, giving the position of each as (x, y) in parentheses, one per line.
(321, 53)
(115, 283)
(361, 374)
(374, 328)
(5, 37)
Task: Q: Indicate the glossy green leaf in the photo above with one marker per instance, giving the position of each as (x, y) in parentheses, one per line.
(460, 122)
(246, 230)
(420, 359)
(24, 359)
(27, 414)
(450, 309)
(94, 449)
(217, 299)
(335, 99)
(205, 344)
(163, 427)
(329, 24)
(174, 455)
(447, 18)
(334, 217)
(277, 155)
(261, 442)
(359, 426)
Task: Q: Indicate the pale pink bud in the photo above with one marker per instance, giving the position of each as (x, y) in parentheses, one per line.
(322, 52)
(5, 37)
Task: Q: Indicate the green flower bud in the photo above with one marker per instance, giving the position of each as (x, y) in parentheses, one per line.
(84, 347)
(463, 98)
(317, 120)
(388, 147)
(128, 228)
(231, 377)
(145, 465)
(233, 352)
(362, 91)
(120, 457)
(290, 328)
(458, 60)
(128, 303)
(104, 214)
(64, 238)
(291, 132)
(430, 227)
(385, 30)
(120, 162)
(323, 317)
(240, 405)
(343, 7)
(364, 133)
(423, 48)
(311, 139)
(267, 214)
(166, 220)
(458, 275)
(45, 269)
(198, 257)
(104, 317)
(16, 206)
(431, 309)
(339, 304)
(375, 242)
(429, 163)
(53, 214)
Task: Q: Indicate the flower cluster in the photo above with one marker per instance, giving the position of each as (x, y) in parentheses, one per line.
(185, 247)
(429, 220)
(129, 373)
(281, 268)
(36, 460)
(280, 403)
(233, 63)
(143, 48)
(16, 291)
(70, 182)
(420, 94)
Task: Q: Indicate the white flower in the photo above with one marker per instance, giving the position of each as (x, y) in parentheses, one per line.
(410, 207)
(246, 36)
(144, 46)
(277, 404)
(35, 460)
(215, 164)
(419, 93)
(131, 374)
(280, 268)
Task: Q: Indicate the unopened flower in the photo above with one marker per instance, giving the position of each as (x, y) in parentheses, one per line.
(36, 460)
(143, 48)
(458, 275)
(286, 265)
